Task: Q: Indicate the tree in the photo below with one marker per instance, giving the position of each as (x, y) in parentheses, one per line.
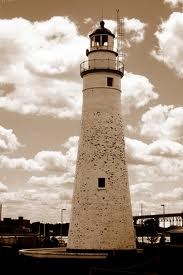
(151, 229)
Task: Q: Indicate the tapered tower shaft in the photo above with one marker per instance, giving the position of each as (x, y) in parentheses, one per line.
(101, 207)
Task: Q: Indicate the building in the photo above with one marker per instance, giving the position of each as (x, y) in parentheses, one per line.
(101, 208)
(176, 236)
(13, 226)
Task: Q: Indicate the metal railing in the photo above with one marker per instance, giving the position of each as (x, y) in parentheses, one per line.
(102, 64)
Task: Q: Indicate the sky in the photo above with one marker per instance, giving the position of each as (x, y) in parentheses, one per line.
(42, 44)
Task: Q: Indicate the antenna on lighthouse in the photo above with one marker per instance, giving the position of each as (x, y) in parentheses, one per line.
(102, 14)
(0, 211)
(120, 36)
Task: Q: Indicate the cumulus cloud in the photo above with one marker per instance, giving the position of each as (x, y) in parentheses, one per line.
(55, 98)
(170, 43)
(52, 181)
(137, 91)
(46, 160)
(30, 195)
(171, 167)
(8, 140)
(72, 147)
(153, 185)
(54, 46)
(40, 64)
(160, 153)
(88, 20)
(166, 171)
(141, 190)
(157, 162)
(40, 67)
(134, 30)
(152, 167)
(136, 152)
(166, 148)
(174, 3)
(20, 163)
(72, 142)
(153, 205)
(3, 188)
(149, 165)
(39, 205)
(171, 196)
(169, 126)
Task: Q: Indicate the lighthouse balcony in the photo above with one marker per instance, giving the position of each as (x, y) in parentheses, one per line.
(95, 65)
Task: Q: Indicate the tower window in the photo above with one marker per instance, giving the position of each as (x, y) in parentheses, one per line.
(109, 81)
(101, 182)
(104, 40)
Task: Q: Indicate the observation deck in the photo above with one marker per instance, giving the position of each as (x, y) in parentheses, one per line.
(96, 65)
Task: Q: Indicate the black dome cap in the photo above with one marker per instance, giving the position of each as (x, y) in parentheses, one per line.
(102, 30)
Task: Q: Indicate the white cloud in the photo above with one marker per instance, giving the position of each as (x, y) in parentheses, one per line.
(20, 163)
(72, 142)
(142, 189)
(3, 187)
(50, 160)
(8, 140)
(151, 202)
(171, 196)
(88, 20)
(52, 182)
(154, 185)
(142, 186)
(137, 91)
(46, 160)
(149, 165)
(169, 126)
(166, 148)
(42, 161)
(156, 163)
(170, 167)
(55, 98)
(38, 205)
(134, 30)
(174, 3)
(170, 43)
(41, 65)
(136, 152)
(166, 171)
(50, 47)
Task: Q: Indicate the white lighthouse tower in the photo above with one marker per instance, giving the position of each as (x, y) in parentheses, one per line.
(101, 208)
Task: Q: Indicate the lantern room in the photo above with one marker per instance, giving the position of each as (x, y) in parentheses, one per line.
(101, 39)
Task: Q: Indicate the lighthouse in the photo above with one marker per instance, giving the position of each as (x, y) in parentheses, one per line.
(101, 216)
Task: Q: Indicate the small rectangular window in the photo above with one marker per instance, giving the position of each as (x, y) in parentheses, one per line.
(109, 81)
(101, 182)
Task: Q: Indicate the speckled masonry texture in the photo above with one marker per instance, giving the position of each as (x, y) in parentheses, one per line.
(101, 217)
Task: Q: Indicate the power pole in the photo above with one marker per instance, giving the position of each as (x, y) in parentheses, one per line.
(141, 207)
(163, 205)
(62, 210)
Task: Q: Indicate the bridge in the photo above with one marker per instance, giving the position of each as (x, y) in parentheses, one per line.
(169, 219)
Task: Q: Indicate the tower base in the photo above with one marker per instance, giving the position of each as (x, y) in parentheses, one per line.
(113, 252)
